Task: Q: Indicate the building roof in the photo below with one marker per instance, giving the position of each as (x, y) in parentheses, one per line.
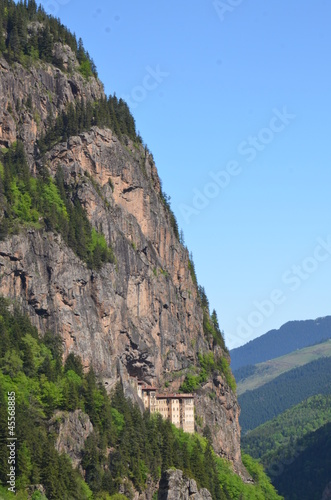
(174, 396)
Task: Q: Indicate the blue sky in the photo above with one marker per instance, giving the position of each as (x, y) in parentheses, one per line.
(233, 99)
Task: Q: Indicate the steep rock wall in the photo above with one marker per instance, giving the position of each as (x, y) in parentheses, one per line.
(138, 317)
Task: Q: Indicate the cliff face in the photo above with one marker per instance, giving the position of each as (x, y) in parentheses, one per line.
(140, 316)
(28, 97)
(173, 486)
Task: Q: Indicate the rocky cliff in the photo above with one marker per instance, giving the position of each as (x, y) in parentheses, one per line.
(140, 316)
(174, 486)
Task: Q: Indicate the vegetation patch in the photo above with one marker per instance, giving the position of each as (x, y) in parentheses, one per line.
(31, 35)
(43, 202)
(124, 444)
(80, 116)
(285, 391)
(276, 441)
(209, 365)
(253, 376)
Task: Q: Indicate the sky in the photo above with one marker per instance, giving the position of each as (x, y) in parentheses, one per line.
(233, 99)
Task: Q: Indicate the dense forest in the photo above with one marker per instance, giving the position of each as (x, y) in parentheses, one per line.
(266, 402)
(31, 34)
(291, 336)
(308, 475)
(244, 372)
(111, 113)
(124, 444)
(276, 441)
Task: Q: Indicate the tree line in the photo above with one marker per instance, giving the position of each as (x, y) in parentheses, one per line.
(124, 443)
(80, 116)
(290, 388)
(276, 440)
(25, 42)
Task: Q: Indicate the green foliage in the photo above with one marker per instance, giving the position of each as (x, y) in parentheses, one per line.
(306, 476)
(266, 402)
(38, 201)
(118, 420)
(74, 363)
(21, 495)
(234, 488)
(85, 69)
(37, 396)
(264, 488)
(25, 41)
(192, 382)
(165, 199)
(265, 372)
(276, 441)
(26, 196)
(191, 268)
(208, 364)
(79, 117)
(226, 370)
(211, 327)
(244, 372)
(124, 444)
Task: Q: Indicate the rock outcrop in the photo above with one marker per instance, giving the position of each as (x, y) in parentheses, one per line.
(72, 429)
(29, 97)
(175, 486)
(222, 417)
(139, 317)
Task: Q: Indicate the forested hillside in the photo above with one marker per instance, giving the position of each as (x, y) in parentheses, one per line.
(291, 336)
(276, 441)
(30, 34)
(308, 476)
(287, 390)
(89, 245)
(124, 443)
(253, 376)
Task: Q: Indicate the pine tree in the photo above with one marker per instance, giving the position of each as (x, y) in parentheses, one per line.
(14, 46)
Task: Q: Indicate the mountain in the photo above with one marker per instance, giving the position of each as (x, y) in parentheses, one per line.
(308, 476)
(254, 376)
(290, 388)
(295, 449)
(275, 441)
(291, 336)
(90, 247)
(99, 289)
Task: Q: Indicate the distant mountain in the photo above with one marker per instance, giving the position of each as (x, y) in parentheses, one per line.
(251, 377)
(295, 449)
(275, 442)
(308, 475)
(291, 336)
(283, 392)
